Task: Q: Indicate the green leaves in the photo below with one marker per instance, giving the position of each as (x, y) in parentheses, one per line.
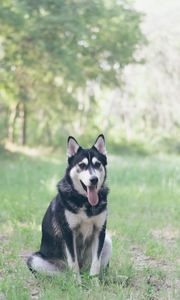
(45, 42)
(83, 39)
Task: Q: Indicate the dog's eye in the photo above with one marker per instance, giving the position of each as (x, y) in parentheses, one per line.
(82, 166)
(97, 165)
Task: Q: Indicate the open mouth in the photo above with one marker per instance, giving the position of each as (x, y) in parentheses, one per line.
(91, 192)
(83, 185)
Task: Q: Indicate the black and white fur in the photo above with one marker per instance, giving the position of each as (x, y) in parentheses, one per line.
(74, 226)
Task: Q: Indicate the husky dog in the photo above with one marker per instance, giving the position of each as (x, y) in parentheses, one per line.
(74, 226)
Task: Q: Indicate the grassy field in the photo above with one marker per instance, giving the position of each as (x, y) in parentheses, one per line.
(144, 220)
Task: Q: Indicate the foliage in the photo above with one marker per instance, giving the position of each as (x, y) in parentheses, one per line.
(83, 67)
(52, 50)
(148, 108)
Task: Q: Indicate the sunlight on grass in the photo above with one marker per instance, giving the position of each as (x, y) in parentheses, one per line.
(15, 148)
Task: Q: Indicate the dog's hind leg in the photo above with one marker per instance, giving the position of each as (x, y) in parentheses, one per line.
(106, 251)
(37, 263)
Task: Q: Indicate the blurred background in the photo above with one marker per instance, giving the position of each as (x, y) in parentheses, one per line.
(85, 67)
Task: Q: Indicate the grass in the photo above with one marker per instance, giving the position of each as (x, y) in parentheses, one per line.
(144, 219)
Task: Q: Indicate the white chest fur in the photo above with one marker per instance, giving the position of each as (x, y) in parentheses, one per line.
(84, 223)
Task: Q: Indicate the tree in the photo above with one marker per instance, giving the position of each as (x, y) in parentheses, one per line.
(53, 48)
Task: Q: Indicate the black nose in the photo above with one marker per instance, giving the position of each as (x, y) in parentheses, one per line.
(94, 180)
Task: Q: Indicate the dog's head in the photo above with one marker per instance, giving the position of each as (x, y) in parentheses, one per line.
(87, 168)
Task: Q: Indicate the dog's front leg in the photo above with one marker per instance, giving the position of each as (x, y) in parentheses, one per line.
(97, 250)
(71, 253)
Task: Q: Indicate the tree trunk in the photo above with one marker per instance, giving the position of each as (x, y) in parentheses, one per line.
(12, 121)
(22, 123)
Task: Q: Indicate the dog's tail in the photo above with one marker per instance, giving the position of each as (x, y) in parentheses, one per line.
(38, 263)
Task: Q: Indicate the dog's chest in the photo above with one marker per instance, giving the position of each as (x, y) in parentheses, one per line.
(83, 224)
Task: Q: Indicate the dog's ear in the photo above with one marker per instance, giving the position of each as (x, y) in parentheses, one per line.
(72, 146)
(100, 144)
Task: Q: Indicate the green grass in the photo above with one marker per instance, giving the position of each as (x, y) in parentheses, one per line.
(144, 220)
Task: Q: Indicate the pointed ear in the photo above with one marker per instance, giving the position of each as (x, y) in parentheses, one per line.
(100, 144)
(72, 146)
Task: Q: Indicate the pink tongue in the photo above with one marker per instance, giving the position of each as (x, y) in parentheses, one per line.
(92, 195)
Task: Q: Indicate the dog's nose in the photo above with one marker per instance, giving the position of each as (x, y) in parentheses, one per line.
(94, 180)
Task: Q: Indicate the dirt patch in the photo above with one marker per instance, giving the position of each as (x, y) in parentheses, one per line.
(2, 296)
(3, 239)
(34, 289)
(32, 284)
(166, 281)
(141, 260)
(25, 254)
(157, 282)
(1, 277)
(167, 234)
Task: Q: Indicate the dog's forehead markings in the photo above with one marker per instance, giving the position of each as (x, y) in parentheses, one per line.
(84, 161)
(94, 160)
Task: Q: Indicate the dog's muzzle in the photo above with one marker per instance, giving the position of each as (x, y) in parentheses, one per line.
(94, 180)
(91, 191)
